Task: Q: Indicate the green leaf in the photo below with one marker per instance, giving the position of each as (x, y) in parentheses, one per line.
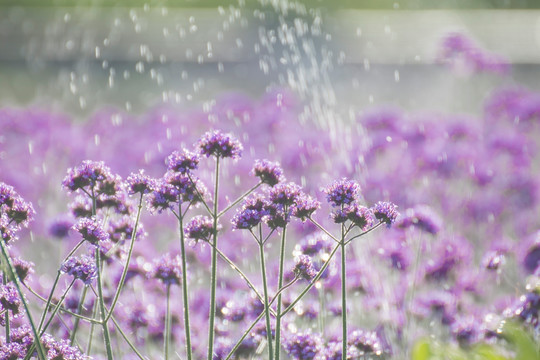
(525, 346)
(422, 350)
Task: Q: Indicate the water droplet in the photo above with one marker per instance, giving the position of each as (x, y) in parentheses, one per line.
(396, 76)
(30, 147)
(96, 139)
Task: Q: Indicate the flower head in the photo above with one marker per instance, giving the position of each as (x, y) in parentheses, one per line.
(82, 267)
(91, 230)
(219, 145)
(88, 173)
(7, 195)
(251, 214)
(21, 212)
(367, 342)
(342, 192)
(305, 206)
(278, 216)
(23, 268)
(422, 217)
(167, 269)
(360, 216)
(162, 196)
(200, 228)
(10, 299)
(268, 172)
(191, 189)
(385, 212)
(304, 268)
(304, 346)
(182, 161)
(284, 194)
(139, 183)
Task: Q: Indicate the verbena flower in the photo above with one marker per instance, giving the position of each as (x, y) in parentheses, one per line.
(182, 161)
(304, 268)
(493, 260)
(422, 217)
(7, 195)
(284, 194)
(278, 216)
(91, 230)
(305, 206)
(21, 212)
(360, 216)
(163, 196)
(304, 346)
(60, 227)
(316, 244)
(23, 268)
(342, 192)
(367, 342)
(215, 143)
(167, 269)
(139, 183)
(200, 228)
(10, 299)
(82, 267)
(88, 173)
(268, 172)
(81, 207)
(251, 214)
(8, 232)
(190, 190)
(122, 229)
(61, 350)
(385, 212)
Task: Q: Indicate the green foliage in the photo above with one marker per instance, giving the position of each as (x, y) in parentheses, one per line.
(520, 346)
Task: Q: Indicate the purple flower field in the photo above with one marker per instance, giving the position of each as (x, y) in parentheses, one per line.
(241, 232)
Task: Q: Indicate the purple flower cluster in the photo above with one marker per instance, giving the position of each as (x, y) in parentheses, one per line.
(200, 228)
(268, 172)
(342, 192)
(218, 144)
(304, 268)
(183, 161)
(91, 230)
(81, 267)
(87, 174)
(167, 269)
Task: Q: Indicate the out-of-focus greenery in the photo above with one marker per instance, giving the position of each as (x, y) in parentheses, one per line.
(357, 4)
(521, 346)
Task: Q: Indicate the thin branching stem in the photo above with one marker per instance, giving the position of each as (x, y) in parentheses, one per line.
(240, 198)
(213, 280)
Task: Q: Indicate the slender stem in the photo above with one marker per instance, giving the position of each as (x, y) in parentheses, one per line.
(126, 266)
(322, 309)
(57, 307)
(16, 282)
(135, 350)
(101, 301)
(184, 284)
(167, 324)
(323, 229)
(265, 288)
(343, 294)
(201, 196)
(55, 283)
(6, 313)
(79, 310)
(92, 328)
(242, 197)
(212, 315)
(280, 284)
(365, 232)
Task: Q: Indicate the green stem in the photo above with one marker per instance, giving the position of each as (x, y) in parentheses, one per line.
(79, 310)
(242, 197)
(57, 307)
(92, 328)
(280, 284)
(322, 310)
(13, 275)
(167, 324)
(126, 266)
(6, 314)
(135, 350)
(101, 301)
(266, 306)
(184, 284)
(343, 295)
(212, 315)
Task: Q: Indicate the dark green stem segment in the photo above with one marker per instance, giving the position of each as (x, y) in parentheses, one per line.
(280, 284)
(168, 324)
(101, 301)
(13, 274)
(77, 319)
(343, 295)
(212, 315)
(184, 284)
(6, 315)
(266, 306)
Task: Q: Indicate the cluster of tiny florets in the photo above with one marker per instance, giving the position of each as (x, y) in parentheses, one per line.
(91, 230)
(139, 183)
(167, 269)
(215, 143)
(385, 212)
(10, 299)
(252, 213)
(88, 173)
(304, 268)
(284, 194)
(268, 172)
(342, 192)
(200, 228)
(304, 346)
(305, 206)
(182, 161)
(80, 267)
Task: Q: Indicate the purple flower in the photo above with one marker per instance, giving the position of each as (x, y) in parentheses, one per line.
(339, 216)
(494, 259)
(7, 195)
(342, 192)
(190, 189)
(268, 172)
(81, 207)
(60, 227)
(182, 161)
(284, 194)
(91, 230)
(8, 232)
(304, 346)
(305, 206)
(10, 299)
(139, 183)
(531, 260)
(385, 212)
(21, 212)
(23, 268)
(162, 197)
(251, 214)
(360, 216)
(304, 268)
(88, 173)
(82, 268)
(367, 342)
(167, 269)
(466, 330)
(61, 350)
(219, 145)
(122, 229)
(200, 228)
(12, 351)
(278, 216)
